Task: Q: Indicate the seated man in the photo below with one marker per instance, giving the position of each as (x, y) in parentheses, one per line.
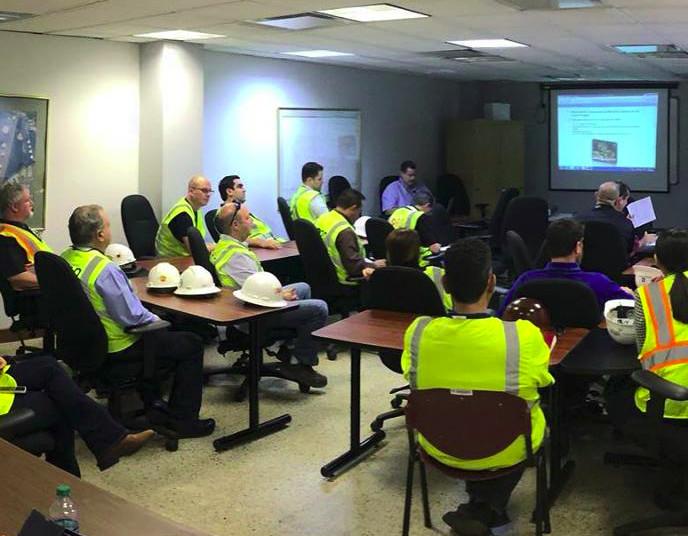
(400, 192)
(261, 236)
(307, 202)
(113, 299)
(417, 217)
(171, 240)
(235, 262)
(564, 241)
(474, 350)
(342, 242)
(61, 407)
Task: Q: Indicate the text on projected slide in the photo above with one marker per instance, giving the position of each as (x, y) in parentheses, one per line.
(608, 132)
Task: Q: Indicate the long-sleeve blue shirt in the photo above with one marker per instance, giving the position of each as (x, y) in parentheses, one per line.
(123, 306)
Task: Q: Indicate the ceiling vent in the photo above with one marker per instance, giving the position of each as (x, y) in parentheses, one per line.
(466, 56)
(10, 16)
(527, 5)
(300, 21)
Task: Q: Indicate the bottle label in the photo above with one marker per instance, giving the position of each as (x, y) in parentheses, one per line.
(66, 523)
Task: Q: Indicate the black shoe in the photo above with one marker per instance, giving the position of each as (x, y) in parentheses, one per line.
(194, 428)
(303, 374)
(158, 412)
(284, 354)
(476, 519)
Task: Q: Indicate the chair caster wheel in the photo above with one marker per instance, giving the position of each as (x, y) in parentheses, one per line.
(331, 354)
(171, 445)
(304, 388)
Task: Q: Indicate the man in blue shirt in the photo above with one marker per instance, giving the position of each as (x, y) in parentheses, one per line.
(565, 243)
(400, 192)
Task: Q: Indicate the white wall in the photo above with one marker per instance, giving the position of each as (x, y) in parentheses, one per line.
(93, 120)
(402, 118)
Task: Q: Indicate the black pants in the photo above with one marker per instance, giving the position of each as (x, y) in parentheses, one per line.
(495, 492)
(62, 407)
(180, 353)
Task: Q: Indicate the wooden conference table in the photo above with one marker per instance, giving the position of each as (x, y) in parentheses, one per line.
(224, 309)
(384, 330)
(31, 485)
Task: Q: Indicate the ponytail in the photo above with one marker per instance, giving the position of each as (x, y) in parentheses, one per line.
(679, 298)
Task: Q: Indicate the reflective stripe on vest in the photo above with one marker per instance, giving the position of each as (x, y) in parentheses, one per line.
(166, 244)
(405, 217)
(6, 399)
(330, 225)
(260, 229)
(29, 242)
(300, 204)
(87, 266)
(435, 273)
(666, 351)
(222, 255)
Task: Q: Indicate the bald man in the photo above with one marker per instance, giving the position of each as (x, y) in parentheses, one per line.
(171, 240)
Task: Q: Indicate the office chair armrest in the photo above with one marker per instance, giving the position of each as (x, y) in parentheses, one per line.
(502, 291)
(16, 422)
(148, 328)
(656, 384)
(356, 279)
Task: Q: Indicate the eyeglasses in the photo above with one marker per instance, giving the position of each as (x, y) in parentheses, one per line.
(206, 191)
(237, 208)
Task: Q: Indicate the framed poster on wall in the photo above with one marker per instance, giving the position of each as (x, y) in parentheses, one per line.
(23, 132)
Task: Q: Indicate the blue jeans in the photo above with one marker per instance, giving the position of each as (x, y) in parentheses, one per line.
(311, 315)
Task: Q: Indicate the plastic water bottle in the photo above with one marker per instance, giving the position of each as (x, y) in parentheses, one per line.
(63, 511)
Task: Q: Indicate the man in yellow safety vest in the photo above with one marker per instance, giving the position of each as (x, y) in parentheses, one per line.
(307, 202)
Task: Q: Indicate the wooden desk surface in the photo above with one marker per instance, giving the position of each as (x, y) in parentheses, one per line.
(31, 485)
(379, 329)
(222, 308)
(647, 261)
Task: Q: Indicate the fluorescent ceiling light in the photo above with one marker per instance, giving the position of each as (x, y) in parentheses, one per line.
(303, 21)
(374, 13)
(317, 53)
(643, 49)
(178, 35)
(488, 43)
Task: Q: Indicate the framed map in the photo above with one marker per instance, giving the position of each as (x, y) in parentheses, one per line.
(23, 129)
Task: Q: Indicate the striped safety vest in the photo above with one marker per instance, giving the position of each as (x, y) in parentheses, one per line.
(436, 273)
(166, 244)
(300, 203)
(330, 225)
(26, 240)
(225, 249)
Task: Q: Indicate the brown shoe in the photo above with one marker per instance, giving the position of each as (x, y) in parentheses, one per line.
(126, 446)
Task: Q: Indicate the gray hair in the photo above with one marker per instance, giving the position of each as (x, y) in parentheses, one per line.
(84, 224)
(10, 192)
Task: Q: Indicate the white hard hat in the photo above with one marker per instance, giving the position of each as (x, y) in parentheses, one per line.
(120, 254)
(196, 281)
(163, 276)
(619, 317)
(262, 288)
(645, 274)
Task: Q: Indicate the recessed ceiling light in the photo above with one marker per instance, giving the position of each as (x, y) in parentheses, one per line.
(301, 21)
(6, 16)
(317, 53)
(524, 5)
(178, 35)
(488, 43)
(374, 13)
(644, 49)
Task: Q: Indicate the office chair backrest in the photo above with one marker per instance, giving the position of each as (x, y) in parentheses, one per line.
(200, 254)
(285, 213)
(210, 224)
(419, 295)
(441, 224)
(140, 225)
(377, 230)
(477, 424)
(571, 304)
(497, 220)
(335, 186)
(317, 265)
(81, 341)
(384, 182)
(528, 217)
(604, 250)
(451, 187)
(518, 252)
(9, 298)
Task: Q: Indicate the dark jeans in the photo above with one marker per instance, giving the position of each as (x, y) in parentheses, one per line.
(62, 407)
(495, 492)
(180, 353)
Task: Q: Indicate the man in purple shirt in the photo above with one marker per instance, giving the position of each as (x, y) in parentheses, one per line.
(119, 308)
(565, 243)
(400, 192)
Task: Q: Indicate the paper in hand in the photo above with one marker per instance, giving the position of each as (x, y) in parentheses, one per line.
(641, 211)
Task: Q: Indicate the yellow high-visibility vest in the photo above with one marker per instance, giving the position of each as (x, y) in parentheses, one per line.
(28, 241)
(166, 244)
(225, 249)
(330, 225)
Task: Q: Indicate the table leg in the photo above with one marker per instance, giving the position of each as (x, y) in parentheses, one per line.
(357, 449)
(255, 429)
(559, 473)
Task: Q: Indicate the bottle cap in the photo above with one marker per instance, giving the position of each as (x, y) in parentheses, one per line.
(63, 490)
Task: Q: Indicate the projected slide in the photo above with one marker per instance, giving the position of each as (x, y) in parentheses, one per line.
(608, 132)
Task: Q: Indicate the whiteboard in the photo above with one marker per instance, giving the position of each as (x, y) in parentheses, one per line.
(332, 138)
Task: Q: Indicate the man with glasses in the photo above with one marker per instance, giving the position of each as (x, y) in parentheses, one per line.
(232, 188)
(171, 240)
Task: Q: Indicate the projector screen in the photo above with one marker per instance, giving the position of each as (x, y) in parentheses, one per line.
(598, 135)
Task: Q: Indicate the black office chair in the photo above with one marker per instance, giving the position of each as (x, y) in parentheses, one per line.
(285, 213)
(377, 230)
(497, 220)
(335, 186)
(384, 182)
(140, 225)
(210, 224)
(22, 428)
(604, 250)
(200, 253)
(24, 310)
(81, 341)
(518, 253)
(529, 218)
(665, 442)
(420, 296)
